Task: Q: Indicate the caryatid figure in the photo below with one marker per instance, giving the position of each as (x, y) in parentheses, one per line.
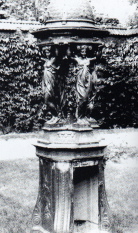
(85, 83)
(48, 84)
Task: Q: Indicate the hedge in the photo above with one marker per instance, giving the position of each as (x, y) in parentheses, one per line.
(117, 104)
(22, 105)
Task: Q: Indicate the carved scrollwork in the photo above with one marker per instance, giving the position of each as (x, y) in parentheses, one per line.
(105, 221)
(105, 224)
(43, 214)
(36, 219)
(46, 198)
(37, 213)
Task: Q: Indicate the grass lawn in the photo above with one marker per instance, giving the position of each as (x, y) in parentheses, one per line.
(122, 190)
(18, 193)
(19, 188)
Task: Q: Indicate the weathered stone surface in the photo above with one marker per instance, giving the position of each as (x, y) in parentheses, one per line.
(71, 183)
(64, 10)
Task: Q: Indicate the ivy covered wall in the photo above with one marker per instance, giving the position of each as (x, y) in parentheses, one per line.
(22, 105)
(117, 100)
(20, 84)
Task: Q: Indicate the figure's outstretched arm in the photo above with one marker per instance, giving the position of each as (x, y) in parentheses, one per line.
(92, 58)
(44, 59)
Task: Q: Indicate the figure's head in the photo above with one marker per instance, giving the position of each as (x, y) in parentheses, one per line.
(82, 49)
(47, 50)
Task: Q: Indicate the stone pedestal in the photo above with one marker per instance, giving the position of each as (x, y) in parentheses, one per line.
(71, 194)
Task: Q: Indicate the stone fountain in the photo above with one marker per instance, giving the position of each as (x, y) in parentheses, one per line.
(72, 195)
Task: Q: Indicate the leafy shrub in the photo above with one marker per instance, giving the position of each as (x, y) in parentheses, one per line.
(20, 83)
(116, 104)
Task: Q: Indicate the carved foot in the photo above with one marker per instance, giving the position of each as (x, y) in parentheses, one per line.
(90, 122)
(86, 121)
(52, 121)
(83, 121)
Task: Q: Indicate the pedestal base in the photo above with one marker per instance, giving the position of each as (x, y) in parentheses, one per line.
(72, 194)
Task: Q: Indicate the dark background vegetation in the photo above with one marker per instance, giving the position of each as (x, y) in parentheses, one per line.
(21, 104)
(116, 104)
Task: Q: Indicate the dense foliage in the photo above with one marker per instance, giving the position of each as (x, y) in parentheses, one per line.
(20, 78)
(22, 9)
(117, 103)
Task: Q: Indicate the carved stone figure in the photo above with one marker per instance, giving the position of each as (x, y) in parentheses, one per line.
(85, 83)
(69, 89)
(48, 84)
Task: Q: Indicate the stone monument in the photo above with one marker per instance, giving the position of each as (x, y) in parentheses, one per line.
(72, 195)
